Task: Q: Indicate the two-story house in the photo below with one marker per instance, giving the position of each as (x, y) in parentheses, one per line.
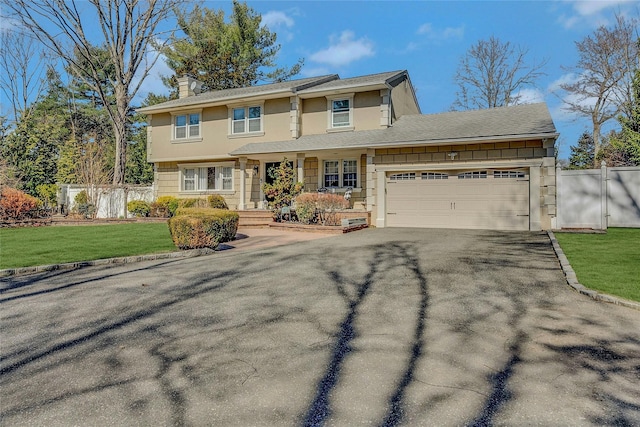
(491, 169)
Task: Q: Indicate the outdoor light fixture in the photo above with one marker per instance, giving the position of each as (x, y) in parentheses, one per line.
(452, 155)
(256, 169)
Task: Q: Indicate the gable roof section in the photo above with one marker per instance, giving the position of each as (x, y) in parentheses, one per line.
(218, 96)
(523, 122)
(380, 79)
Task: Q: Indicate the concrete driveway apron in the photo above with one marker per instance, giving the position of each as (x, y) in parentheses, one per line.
(378, 327)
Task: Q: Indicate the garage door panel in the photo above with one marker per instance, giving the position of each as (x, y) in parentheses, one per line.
(478, 203)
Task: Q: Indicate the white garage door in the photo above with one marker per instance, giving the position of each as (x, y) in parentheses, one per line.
(486, 199)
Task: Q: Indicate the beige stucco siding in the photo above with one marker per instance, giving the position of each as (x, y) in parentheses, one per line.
(366, 113)
(403, 101)
(314, 116)
(216, 142)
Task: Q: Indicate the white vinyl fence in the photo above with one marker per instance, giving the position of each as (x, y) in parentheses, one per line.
(598, 198)
(110, 200)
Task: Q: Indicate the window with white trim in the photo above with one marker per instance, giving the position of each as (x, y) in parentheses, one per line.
(340, 112)
(186, 126)
(206, 178)
(340, 173)
(246, 120)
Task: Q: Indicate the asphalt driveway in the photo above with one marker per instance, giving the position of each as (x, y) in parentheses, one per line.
(378, 327)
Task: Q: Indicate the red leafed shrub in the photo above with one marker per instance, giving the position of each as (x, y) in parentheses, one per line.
(320, 207)
(16, 205)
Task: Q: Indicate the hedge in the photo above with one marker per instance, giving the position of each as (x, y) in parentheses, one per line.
(193, 228)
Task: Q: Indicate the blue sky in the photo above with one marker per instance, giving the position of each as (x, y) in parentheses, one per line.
(428, 38)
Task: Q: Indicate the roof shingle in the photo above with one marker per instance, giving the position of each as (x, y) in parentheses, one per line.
(505, 123)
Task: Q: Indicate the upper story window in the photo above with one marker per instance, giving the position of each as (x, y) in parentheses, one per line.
(246, 120)
(186, 127)
(340, 112)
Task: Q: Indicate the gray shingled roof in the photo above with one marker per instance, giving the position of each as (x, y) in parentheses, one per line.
(505, 123)
(353, 82)
(230, 94)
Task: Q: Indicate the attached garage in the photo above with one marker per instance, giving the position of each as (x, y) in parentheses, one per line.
(495, 199)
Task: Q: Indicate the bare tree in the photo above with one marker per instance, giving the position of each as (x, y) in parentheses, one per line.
(124, 27)
(23, 65)
(491, 73)
(605, 67)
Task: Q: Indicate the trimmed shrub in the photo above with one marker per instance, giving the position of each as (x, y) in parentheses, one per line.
(83, 206)
(161, 208)
(216, 201)
(193, 228)
(139, 208)
(15, 204)
(48, 193)
(320, 207)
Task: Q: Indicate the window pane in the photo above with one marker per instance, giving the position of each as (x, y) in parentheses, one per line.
(194, 131)
(238, 114)
(238, 127)
(331, 180)
(254, 112)
(331, 167)
(181, 120)
(349, 173)
(254, 125)
(181, 132)
(340, 119)
(189, 179)
(194, 119)
(227, 178)
(211, 178)
(341, 105)
(350, 166)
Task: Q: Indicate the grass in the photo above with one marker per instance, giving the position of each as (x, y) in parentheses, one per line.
(609, 263)
(29, 246)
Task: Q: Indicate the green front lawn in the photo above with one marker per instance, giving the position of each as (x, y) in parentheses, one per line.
(609, 263)
(23, 247)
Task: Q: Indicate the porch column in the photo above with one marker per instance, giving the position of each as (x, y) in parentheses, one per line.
(300, 166)
(243, 183)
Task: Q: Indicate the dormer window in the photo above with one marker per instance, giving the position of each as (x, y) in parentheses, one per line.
(245, 120)
(340, 111)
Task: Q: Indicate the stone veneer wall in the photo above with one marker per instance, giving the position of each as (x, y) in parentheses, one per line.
(311, 180)
(469, 152)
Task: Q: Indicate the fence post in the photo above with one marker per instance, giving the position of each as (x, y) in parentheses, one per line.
(603, 196)
(558, 198)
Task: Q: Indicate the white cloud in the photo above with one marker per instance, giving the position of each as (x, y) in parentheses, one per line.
(443, 34)
(592, 13)
(530, 96)
(274, 19)
(344, 50)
